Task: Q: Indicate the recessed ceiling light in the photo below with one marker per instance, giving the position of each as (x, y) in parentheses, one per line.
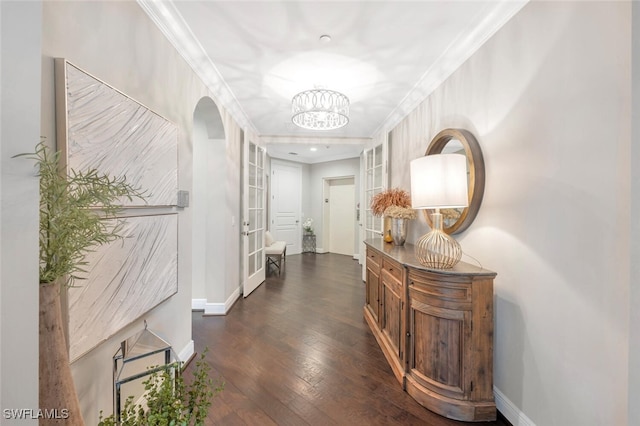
(313, 148)
(325, 38)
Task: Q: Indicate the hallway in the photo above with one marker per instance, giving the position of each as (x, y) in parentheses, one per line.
(297, 351)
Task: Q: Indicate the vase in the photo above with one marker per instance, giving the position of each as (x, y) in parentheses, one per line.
(58, 398)
(399, 230)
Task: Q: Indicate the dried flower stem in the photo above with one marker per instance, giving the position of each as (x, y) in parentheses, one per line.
(390, 197)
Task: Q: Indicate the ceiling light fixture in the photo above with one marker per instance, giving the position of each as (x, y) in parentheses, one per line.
(320, 109)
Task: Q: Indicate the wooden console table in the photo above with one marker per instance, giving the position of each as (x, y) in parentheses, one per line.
(435, 328)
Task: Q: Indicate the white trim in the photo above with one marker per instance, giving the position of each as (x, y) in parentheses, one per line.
(313, 140)
(198, 304)
(186, 352)
(222, 308)
(320, 250)
(510, 411)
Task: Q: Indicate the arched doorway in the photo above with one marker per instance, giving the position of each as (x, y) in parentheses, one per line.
(207, 203)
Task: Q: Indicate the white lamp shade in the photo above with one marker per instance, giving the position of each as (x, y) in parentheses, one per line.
(439, 181)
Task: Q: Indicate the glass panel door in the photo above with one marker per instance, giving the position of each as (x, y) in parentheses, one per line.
(254, 217)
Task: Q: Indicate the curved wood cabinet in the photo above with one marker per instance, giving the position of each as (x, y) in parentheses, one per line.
(435, 328)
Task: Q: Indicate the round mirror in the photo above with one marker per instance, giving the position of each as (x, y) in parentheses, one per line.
(460, 141)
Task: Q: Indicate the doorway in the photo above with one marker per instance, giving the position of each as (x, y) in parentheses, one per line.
(339, 215)
(209, 263)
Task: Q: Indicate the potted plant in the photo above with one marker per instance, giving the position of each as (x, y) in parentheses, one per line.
(72, 212)
(307, 226)
(400, 217)
(168, 400)
(389, 197)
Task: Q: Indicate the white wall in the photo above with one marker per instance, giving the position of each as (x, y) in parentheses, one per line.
(117, 43)
(548, 98)
(20, 26)
(318, 172)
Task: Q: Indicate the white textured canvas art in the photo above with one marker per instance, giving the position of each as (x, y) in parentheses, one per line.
(112, 133)
(126, 279)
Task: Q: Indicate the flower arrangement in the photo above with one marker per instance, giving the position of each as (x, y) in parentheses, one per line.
(398, 212)
(452, 214)
(307, 225)
(387, 198)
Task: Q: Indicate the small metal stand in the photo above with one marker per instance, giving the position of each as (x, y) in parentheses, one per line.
(309, 243)
(140, 356)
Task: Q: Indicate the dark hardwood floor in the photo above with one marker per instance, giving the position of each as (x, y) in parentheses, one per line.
(297, 351)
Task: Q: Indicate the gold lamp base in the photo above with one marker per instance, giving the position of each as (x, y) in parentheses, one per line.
(437, 249)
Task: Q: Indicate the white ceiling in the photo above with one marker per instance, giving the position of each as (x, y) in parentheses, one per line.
(386, 56)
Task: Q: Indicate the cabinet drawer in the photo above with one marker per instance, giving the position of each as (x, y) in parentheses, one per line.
(374, 258)
(393, 268)
(452, 294)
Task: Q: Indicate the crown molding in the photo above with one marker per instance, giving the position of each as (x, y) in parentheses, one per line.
(312, 140)
(453, 58)
(171, 23)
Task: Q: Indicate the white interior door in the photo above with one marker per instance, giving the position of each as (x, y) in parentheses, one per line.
(286, 184)
(253, 224)
(342, 216)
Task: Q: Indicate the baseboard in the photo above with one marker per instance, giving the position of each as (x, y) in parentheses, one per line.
(187, 352)
(222, 308)
(510, 411)
(198, 304)
(320, 250)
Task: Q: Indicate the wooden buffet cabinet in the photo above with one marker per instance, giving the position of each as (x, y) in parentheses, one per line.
(435, 328)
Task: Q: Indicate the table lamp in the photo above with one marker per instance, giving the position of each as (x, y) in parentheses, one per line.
(438, 181)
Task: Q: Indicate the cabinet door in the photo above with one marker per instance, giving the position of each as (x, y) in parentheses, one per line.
(438, 338)
(372, 297)
(392, 311)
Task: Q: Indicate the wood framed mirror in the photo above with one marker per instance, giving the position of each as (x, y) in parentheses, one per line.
(462, 142)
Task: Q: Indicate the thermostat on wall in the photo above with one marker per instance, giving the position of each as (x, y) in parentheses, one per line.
(183, 198)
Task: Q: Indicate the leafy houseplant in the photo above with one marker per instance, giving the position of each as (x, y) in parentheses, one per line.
(169, 401)
(72, 213)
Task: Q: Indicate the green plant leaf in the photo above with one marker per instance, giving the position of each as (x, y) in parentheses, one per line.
(74, 213)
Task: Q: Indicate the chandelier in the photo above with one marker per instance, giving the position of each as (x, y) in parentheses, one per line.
(320, 109)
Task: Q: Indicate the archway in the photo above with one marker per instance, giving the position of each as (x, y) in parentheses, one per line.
(207, 203)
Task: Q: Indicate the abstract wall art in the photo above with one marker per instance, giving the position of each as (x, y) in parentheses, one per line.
(126, 279)
(114, 134)
(101, 128)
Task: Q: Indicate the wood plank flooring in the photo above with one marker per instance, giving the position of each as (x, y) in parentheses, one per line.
(297, 351)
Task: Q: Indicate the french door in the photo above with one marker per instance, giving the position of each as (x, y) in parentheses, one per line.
(253, 223)
(374, 166)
